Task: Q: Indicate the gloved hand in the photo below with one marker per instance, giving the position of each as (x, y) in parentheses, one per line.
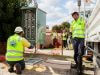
(70, 33)
(31, 47)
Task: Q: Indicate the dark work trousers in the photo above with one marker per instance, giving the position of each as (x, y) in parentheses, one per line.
(12, 64)
(64, 43)
(78, 42)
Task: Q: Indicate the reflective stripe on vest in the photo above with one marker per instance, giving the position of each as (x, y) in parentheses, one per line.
(14, 51)
(78, 28)
(14, 48)
(15, 57)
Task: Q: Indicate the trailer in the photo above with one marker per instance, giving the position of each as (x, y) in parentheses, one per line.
(93, 36)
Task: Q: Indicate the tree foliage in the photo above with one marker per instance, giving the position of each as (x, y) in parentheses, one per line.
(10, 17)
(62, 26)
(66, 24)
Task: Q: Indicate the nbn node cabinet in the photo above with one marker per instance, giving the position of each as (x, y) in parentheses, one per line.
(33, 21)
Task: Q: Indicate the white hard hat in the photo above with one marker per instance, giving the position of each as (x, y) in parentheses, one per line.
(18, 29)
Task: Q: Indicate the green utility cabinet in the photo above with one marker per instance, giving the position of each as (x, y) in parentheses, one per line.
(34, 24)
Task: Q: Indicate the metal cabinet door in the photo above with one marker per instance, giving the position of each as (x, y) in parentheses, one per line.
(30, 25)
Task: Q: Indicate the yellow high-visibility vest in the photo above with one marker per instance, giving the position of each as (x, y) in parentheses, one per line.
(64, 36)
(54, 35)
(14, 48)
(78, 28)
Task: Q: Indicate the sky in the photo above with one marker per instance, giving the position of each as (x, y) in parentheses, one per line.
(58, 11)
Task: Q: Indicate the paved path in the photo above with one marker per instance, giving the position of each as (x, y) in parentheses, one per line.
(43, 70)
(52, 51)
(36, 70)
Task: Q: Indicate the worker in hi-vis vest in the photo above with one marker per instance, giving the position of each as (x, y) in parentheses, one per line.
(78, 34)
(64, 39)
(55, 38)
(15, 50)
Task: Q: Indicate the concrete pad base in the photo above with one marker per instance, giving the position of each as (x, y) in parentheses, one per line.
(58, 64)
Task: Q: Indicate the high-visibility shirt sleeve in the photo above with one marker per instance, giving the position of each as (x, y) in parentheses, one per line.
(26, 43)
(84, 22)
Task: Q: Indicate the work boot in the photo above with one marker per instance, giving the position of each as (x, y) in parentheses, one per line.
(18, 68)
(73, 66)
(11, 70)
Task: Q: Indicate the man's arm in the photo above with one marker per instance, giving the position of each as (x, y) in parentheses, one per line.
(26, 43)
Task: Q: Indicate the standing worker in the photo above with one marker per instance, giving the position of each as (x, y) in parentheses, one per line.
(55, 38)
(78, 35)
(15, 50)
(64, 39)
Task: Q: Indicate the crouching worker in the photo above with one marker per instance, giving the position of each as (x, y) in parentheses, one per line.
(15, 50)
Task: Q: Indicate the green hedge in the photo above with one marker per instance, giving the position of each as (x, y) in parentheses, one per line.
(10, 17)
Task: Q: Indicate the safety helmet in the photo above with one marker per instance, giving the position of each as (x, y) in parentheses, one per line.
(18, 29)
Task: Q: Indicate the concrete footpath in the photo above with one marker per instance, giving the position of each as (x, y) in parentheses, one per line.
(42, 69)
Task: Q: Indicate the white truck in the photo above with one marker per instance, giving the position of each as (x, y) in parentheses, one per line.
(93, 36)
